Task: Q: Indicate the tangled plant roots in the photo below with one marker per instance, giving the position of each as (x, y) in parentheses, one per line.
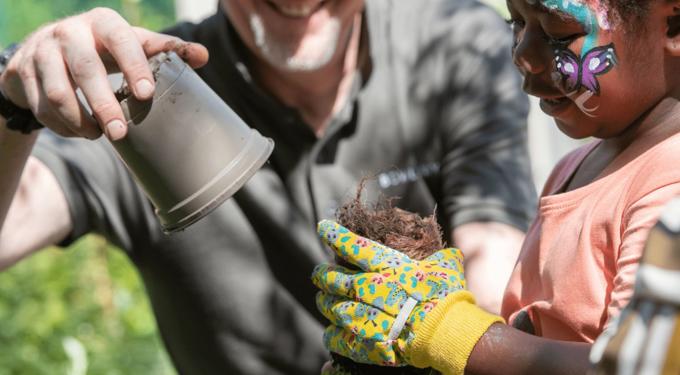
(416, 236)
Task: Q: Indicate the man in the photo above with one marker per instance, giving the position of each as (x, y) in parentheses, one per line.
(421, 94)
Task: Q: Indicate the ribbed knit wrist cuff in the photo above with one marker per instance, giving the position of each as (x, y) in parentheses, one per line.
(450, 331)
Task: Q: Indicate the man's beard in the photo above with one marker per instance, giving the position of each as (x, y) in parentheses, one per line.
(287, 56)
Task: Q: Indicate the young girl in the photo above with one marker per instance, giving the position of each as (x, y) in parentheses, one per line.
(606, 69)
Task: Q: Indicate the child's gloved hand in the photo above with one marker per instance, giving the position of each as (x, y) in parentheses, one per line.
(377, 313)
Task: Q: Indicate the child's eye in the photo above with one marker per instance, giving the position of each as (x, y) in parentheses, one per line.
(563, 41)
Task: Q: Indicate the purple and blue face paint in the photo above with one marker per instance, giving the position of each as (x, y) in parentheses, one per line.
(580, 12)
(574, 72)
(581, 72)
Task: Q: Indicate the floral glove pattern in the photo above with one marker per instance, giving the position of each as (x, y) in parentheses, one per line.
(375, 311)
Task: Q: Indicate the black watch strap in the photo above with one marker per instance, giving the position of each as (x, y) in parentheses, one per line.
(16, 118)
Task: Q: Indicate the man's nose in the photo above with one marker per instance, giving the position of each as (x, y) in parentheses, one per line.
(529, 53)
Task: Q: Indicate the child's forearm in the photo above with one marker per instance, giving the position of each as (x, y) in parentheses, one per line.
(508, 351)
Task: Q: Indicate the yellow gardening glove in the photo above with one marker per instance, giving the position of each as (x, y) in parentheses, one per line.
(382, 314)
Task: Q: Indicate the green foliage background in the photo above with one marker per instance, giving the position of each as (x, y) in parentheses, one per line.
(86, 300)
(19, 17)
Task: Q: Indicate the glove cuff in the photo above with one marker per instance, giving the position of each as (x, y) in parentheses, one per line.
(448, 334)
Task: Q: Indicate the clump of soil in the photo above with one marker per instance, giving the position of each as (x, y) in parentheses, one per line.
(123, 92)
(414, 235)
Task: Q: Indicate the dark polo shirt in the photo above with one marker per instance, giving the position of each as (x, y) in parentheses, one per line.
(436, 115)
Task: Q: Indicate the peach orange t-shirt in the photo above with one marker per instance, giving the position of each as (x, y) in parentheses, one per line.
(577, 266)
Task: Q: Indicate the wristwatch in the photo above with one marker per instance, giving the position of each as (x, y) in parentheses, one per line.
(16, 118)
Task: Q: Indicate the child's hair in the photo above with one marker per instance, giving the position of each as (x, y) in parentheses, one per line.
(416, 236)
(625, 13)
(631, 13)
(628, 8)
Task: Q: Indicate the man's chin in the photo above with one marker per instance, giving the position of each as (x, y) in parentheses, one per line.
(302, 64)
(300, 56)
(292, 62)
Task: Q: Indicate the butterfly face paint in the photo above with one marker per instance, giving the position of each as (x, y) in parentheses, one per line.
(578, 73)
(582, 72)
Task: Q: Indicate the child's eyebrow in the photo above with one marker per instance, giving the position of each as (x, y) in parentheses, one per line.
(564, 16)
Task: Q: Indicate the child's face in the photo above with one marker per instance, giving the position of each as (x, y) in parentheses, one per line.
(590, 76)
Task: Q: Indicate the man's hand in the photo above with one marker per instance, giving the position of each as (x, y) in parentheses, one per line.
(77, 52)
(491, 251)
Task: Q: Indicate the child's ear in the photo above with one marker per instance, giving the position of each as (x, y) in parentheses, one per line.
(673, 32)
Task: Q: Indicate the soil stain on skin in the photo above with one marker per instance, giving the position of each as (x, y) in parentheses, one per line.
(124, 91)
(180, 48)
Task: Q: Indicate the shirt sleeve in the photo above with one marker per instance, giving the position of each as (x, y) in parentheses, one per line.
(640, 218)
(473, 92)
(102, 196)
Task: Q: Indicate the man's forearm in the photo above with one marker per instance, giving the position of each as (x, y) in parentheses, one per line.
(34, 212)
(15, 148)
(504, 350)
(491, 250)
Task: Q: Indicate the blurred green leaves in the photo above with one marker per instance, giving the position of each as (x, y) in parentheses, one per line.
(85, 298)
(81, 310)
(19, 18)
